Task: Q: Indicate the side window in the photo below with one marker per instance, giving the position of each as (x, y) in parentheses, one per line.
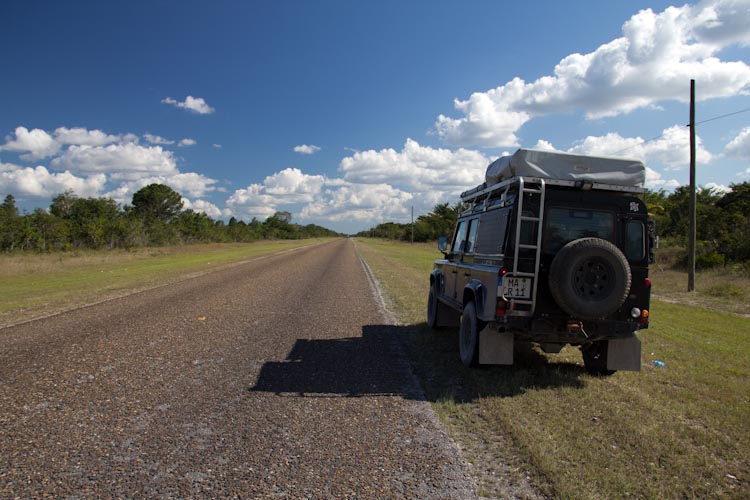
(458, 240)
(635, 240)
(491, 232)
(472, 238)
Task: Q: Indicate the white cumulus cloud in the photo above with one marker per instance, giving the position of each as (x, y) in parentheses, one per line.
(739, 147)
(655, 181)
(671, 149)
(206, 207)
(416, 167)
(306, 149)
(41, 183)
(287, 187)
(194, 104)
(82, 136)
(187, 142)
(657, 54)
(35, 143)
(361, 202)
(119, 161)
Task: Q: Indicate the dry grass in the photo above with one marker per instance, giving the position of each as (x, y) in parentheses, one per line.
(681, 431)
(719, 289)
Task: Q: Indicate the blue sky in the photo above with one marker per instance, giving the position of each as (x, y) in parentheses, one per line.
(346, 113)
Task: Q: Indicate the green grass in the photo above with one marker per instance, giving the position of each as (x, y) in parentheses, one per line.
(36, 285)
(681, 431)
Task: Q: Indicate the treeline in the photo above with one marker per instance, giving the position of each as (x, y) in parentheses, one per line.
(439, 222)
(723, 223)
(155, 218)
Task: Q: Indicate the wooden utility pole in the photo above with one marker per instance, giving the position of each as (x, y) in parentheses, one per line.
(691, 231)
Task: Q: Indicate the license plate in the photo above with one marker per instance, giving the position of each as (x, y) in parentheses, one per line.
(516, 288)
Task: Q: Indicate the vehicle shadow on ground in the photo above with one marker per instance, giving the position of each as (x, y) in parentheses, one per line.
(384, 360)
(370, 365)
(435, 360)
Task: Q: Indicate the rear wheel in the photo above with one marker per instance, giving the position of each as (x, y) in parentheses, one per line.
(595, 358)
(468, 336)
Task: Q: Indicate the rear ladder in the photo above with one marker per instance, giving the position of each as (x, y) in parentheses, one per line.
(530, 250)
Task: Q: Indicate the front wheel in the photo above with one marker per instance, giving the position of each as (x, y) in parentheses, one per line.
(595, 358)
(468, 336)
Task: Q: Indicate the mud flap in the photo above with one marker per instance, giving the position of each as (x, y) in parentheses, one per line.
(495, 348)
(624, 354)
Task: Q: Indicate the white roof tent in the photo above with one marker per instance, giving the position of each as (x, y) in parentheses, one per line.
(563, 169)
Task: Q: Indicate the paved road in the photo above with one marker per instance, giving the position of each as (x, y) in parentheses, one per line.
(275, 378)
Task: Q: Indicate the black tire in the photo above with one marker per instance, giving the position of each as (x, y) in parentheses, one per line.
(590, 278)
(468, 336)
(595, 358)
(433, 310)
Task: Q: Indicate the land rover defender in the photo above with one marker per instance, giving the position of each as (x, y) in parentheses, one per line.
(552, 249)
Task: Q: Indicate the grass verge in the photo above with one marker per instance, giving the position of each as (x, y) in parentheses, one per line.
(681, 431)
(37, 285)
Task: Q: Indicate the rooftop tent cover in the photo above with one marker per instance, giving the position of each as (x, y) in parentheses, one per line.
(564, 166)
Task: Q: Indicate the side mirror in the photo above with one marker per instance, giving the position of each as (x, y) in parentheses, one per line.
(442, 244)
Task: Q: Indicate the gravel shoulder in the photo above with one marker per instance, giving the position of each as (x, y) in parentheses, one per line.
(274, 378)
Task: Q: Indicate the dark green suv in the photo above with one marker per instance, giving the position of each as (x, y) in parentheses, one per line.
(553, 249)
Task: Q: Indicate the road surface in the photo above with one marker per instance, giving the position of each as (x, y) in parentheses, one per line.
(275, 378)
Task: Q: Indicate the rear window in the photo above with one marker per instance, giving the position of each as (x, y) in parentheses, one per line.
(567, 224)
(635, 240)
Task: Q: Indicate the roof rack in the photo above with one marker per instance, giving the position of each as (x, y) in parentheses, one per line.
(483, 191)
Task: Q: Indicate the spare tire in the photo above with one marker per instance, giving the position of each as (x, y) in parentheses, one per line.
(589, 278)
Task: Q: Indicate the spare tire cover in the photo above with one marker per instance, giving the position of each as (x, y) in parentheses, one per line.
(590, 278)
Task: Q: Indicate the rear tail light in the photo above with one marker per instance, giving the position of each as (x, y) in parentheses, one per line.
(644, 317)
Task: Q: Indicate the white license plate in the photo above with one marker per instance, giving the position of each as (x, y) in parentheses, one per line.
(516, 288)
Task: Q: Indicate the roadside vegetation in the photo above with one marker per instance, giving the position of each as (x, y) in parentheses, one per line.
(680, 430)
(155, 218)
(34, 285)
(723, 226)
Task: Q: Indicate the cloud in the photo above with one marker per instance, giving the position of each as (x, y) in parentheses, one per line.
(655, 181)
(361, 202)
(306, 150)
(156, 139)
(739, 147)
(671, 149)
(187, 142)
(82, 136)
(287, 187)
(416, 167)
(194, 104)
(36, 143)
(41, 183)
(375, 186)
(657, 54)
(718, 188)
(119, 161)
(217, 146)
(206, 207)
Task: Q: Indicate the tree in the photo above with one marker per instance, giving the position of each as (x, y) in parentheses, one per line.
(157, 202)
(10, 224)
